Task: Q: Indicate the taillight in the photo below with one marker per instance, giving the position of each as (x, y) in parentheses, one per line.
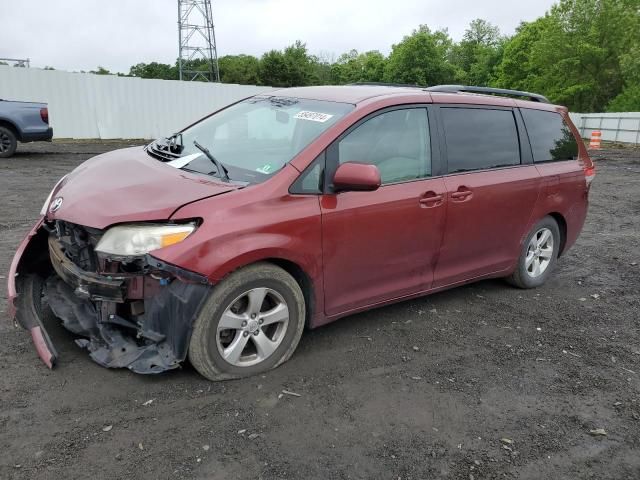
(44, 115)
(589, 174)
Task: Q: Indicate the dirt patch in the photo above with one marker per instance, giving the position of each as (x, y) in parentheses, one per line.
(539, 369)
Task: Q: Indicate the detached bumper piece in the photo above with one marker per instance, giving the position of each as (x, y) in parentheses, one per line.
(29, 309)
(132, 312)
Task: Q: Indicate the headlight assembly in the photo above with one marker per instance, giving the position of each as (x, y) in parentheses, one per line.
(138, 239)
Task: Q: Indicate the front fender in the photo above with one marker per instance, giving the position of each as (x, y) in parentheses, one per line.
(310, 268)
(218, 256)
(249, 249)
(250, 225)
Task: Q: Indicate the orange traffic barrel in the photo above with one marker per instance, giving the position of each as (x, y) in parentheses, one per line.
(595, 140)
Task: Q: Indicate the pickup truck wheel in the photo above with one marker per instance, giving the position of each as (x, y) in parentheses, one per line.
(8, 142)
(538, 255)
(251, 322)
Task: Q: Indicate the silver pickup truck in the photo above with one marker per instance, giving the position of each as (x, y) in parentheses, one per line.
(24, 122)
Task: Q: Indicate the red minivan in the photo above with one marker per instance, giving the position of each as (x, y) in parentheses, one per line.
(292, 209)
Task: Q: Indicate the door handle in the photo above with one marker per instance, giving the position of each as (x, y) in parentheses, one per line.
(431, 199)
(462, 194)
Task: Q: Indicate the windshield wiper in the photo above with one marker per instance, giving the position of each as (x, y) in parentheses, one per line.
(222, 171)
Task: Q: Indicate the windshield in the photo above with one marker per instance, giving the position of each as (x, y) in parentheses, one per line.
(255, 138)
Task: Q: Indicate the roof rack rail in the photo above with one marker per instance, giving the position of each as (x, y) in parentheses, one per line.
(534, 97)
(382, 84)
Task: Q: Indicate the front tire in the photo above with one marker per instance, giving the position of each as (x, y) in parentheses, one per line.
(538, 255)
(251, 323)
(8, 142)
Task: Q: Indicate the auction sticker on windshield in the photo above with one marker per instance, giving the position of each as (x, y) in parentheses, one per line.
(265, 168)
(313, 116)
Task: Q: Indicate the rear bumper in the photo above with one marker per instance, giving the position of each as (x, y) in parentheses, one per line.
(141, 321)
(43, 136)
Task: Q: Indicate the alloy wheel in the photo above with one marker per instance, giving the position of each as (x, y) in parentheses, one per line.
(252, 327)
(539, 252)
(5, 142)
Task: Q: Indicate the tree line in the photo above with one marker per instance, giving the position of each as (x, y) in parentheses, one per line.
(584, 54)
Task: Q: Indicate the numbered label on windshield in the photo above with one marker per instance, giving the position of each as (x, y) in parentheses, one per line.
(313, 116)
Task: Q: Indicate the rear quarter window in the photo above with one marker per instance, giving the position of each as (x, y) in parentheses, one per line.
(479, 138)
(549, 135)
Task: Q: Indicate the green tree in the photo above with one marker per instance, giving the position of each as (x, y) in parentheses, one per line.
(517, 70)
(355, 67)
(240, 69)
(272, 69)
(321, 69)
(573, 54)
(101, 71)
(421, 59)
(476, 57)
(161, 71)
(629, 99)
(291, 68)
(346, 69)
(299, 64)
(373, 65)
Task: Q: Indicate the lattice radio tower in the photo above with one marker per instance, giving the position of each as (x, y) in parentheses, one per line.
(197, 41)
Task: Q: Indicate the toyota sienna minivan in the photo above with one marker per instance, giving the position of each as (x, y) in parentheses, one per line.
(291, 209)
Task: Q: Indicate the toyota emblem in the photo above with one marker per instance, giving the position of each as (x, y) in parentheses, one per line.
(55, 205)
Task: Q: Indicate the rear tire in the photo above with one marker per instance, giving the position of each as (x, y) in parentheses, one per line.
(538, 255)
(251, 323)
(8, 142)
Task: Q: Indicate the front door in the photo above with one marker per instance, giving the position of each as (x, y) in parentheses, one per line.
(382, 245)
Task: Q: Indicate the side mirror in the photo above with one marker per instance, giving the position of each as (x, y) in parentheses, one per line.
(351, 176)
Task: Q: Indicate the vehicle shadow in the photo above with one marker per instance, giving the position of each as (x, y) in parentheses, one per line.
(315, 345)
(380, 316)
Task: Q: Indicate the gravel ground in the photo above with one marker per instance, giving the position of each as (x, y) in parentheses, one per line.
(481, 382)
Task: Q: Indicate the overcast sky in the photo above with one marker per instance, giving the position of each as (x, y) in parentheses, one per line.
(82, 34)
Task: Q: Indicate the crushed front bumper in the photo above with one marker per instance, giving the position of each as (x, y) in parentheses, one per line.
(85, 284)
(141, 320)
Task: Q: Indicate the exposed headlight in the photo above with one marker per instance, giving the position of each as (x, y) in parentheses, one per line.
(138, 239)
(43, 211)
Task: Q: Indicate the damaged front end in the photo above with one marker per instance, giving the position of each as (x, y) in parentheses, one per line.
(132, 311)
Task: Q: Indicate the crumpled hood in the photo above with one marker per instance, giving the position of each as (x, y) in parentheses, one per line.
(128, 185)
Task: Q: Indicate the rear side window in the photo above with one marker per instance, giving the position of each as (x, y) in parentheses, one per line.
(550, 137)
(480, 138)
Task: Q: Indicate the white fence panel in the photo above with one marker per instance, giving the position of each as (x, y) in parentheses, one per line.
(615, 127)
(84, 105)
